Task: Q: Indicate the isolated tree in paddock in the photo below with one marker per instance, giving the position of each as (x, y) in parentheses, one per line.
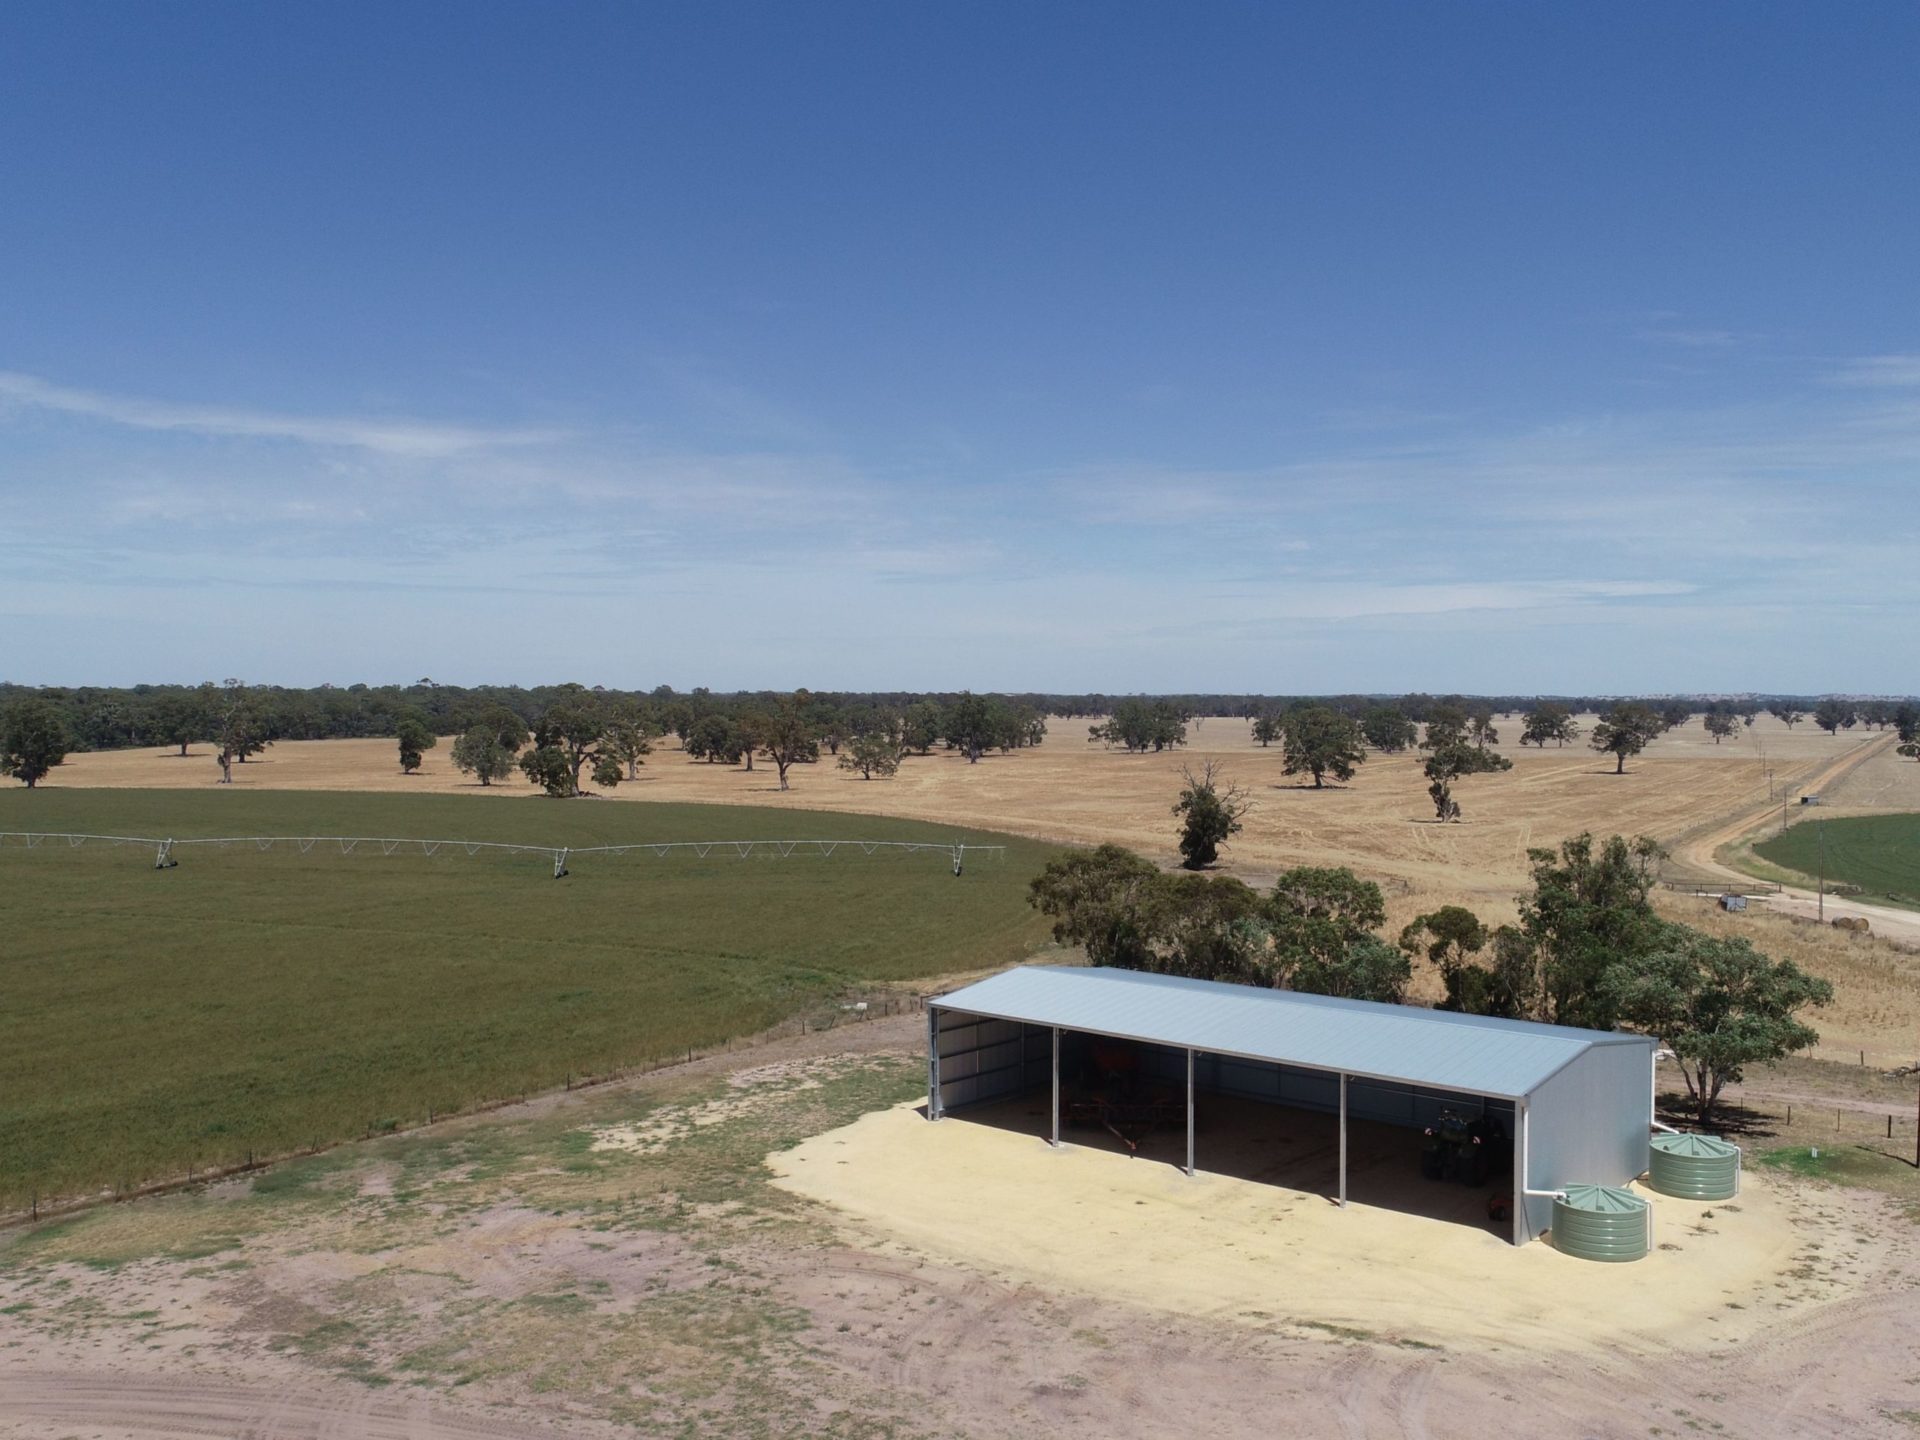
(33, 739)
(1720, 724)
(1321, 742)
(236, 725)
(1446, 725)
(1787, 715)
(1548, 721)
(480, 753)
(877, 753)
(1906, 721)
(1674, 713)
(1209, 814)
(789, 733)
(1481, 728)
(1266, 728)
(1719, 1005)
(415, 740)
(1623, 731)
(1833, 716)
(1453, 759)
(178, 718)
(1388, 730)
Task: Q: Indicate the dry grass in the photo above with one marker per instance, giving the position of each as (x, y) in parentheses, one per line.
(1068, 790)
(1876, 1005)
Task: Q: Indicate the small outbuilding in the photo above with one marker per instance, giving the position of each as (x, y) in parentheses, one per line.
(1132, 1053)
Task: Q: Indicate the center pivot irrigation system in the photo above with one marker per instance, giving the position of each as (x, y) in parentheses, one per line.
(165, 859)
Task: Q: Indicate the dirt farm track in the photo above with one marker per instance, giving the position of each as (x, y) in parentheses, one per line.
(747, 1245)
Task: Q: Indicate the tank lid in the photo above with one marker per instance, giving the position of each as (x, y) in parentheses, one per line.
(1702, 1146)
(1602, 1199)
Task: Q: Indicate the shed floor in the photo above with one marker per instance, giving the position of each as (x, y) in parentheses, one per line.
(1278, 1145)
(1094, 1223)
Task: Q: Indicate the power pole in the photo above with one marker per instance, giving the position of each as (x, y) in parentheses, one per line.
(1822, 823)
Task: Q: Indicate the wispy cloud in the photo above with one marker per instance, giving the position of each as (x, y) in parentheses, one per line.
(1688, 338)
(1470, 549)
(1880, 372)
(399, 438)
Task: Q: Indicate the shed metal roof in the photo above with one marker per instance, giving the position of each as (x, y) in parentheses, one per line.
(1474, 1054)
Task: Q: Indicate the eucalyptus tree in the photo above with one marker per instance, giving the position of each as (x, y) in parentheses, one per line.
(33, 739)
(1320, 742)
(1549, 721)
(1624, 731)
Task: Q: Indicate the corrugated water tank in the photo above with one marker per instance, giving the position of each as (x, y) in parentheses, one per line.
(1695, 1167)
(1599, 1222)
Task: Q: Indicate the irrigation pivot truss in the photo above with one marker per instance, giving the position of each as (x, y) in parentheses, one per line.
(165, 859)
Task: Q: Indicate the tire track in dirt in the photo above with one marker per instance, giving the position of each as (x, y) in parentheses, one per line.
(152, 1408)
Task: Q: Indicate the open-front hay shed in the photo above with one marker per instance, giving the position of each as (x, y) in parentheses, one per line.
(1575, 1105)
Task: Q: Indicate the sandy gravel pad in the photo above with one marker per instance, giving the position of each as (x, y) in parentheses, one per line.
(1089, 1222)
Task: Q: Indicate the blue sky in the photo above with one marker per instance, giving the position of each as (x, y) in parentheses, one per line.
(1121, 347)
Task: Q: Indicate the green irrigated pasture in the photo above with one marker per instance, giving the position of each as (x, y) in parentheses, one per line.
(1878, 853)
(264, 1002)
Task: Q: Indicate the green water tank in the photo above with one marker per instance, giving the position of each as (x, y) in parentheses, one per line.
(1598, 1222)
(1695, 1167)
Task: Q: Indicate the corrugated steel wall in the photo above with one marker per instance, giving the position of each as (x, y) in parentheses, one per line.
(986, 1059)
(1591, 1124)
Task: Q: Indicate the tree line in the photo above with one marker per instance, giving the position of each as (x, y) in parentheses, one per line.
(724, 728)
(1589, 950)
(120, 717)
(572, 739)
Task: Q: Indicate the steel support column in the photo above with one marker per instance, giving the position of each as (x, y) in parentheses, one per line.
(1343, 1140)
(1189, 1112)
(1056, 1087)
(934, 1109)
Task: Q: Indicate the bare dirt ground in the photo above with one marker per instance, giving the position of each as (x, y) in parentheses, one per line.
(624, 1262)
